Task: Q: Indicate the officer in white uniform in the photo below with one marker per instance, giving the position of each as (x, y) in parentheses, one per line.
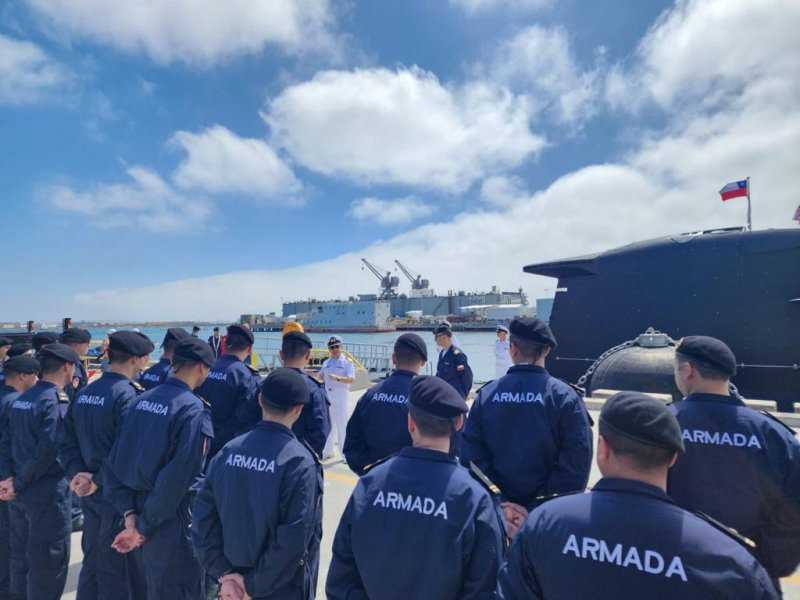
(338, 372)
(502, 356)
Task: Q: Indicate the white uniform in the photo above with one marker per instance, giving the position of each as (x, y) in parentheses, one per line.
(502, 358)
(338, 395)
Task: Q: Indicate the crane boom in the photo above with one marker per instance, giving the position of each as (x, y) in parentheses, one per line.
(389, 282)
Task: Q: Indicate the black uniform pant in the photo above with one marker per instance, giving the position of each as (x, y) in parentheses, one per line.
(171, 569)
(106, 574)
(5, 551)
(40, 531)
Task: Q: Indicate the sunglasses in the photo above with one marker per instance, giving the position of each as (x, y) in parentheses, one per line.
(334, 347)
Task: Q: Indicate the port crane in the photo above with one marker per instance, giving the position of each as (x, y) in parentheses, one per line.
(389, 282)
(419, 286)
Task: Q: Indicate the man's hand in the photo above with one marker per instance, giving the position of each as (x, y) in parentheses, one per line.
(83, 485)
(514, 515)
(7, 492)
(233, 584)
(129, 538)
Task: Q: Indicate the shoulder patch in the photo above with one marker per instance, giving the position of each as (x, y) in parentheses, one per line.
(539, 500)
(205, 402)
(380, 461)
(456, 351)
(137, 386)
(481, 478)
(62, 397)
(777, 420)
(311, 451)
(729, 531)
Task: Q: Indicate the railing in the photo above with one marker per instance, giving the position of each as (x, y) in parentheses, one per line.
(373, 358)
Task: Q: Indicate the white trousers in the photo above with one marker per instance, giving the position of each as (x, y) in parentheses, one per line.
(338, 413)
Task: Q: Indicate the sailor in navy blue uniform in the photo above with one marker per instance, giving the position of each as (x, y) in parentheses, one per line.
(33, 480)
(21, 374)
(157, 456)
(528, 431)
(20, 349)
(41, 339)
(159, 372)
(314, 423)
(378, 427)
(626, 538)
(5, 345)
(79, 340)
(255, 516)
(741, 466)
(452, 365)
(231, 388)
(89, 430)
(419, 525)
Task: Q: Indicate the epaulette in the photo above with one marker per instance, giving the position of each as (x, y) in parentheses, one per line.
(62, 397)
(581, 391)
(316, 380)
(539, 500)
(777, 420)
(481, 477)
(729, 531)
(380, 461)
(483, 386)
(313, 452)
(251, 367)
(456, 352)
(205, 402)
(137, 386)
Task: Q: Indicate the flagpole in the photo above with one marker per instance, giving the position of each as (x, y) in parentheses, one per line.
(749, 211)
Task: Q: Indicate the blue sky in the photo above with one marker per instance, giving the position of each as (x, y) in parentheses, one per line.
(197, 159)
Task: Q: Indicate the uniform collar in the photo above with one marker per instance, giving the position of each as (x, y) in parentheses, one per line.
(177, 382)
(631, 486)
(5, 386)
(232, 357)
(273, 426)
(112, 375)
(527, 368)
(46, 384)
(165, 359)
(426, 454)
(403, 372)
(718, 398)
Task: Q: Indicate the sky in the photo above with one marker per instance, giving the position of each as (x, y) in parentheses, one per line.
(196, 159)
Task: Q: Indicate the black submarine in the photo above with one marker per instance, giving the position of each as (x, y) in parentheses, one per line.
(740, 286)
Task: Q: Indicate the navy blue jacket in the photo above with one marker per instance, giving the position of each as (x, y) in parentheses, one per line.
(530, 434)
(257, 511)
(158, 453)
(378, 426)
(29, 452)
(7, 396)
(92, 422)
(416, 526)
(454, 369)
(83, 379)
(157, 374)
(314, 423)
(626, 539)
(742, 468)
(231, 389)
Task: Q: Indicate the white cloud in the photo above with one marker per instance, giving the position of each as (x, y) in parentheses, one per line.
(390, 212)
(503, 191)
(478, 6)
(28, 75)
(218, 161)
(539, 62)
(200, 32)
(146, 203)
(379, 126)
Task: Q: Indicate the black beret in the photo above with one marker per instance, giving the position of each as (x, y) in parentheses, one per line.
(642, 418)
(75, 335)
(43, 338)
(195, 350)
(174, 333)
(436, 397)
(62, 352)
(286, 388)
(19, 349)
(195, 328)
(297, 336)
(708, 352)
(237, 329)
(442, 327)
(532, 330)
(4, 341)
(22, 364)
(132, 342)
(413, 342)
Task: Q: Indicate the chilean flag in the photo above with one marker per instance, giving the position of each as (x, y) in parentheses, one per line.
(734, 190)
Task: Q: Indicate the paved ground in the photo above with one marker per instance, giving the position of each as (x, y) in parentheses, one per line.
(339, 482)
